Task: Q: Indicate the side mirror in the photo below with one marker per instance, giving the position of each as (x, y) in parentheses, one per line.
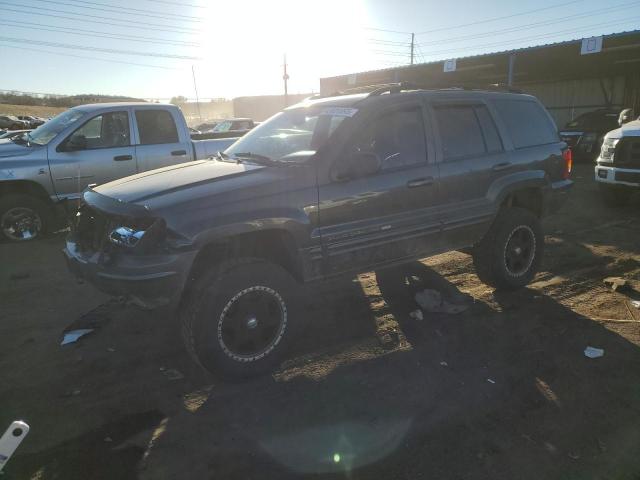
(75, 142)
(626, 116)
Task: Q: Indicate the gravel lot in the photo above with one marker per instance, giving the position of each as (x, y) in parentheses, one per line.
(501, 391)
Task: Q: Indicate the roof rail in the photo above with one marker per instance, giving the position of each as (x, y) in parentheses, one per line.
(379, 89)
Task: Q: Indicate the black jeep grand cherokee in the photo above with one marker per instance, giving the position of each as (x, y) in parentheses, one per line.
(331, 185)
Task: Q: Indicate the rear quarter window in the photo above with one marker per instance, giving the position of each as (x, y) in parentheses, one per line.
(527, 123)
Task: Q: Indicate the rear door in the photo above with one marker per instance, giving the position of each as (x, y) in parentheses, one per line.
(108, 154)
(391, 214)
(158, 138)
(471, 156)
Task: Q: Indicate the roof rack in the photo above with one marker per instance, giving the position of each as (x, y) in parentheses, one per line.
(391, 88)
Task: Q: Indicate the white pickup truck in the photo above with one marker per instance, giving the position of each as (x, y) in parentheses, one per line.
(90, 144)
(618, 166)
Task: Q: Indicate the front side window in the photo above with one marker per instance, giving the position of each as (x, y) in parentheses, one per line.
(156, 127)
(49, 130)
(397, 138)
(108, 130)
(291, 131)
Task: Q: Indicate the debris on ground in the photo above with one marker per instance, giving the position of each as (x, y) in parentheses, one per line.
(416, 315)
(616, 283)
(593, 352)
(573, 456)
(635, 303)
(72, 336)
(19, 276)
(173, 374)
(444, 364)
(108, 439)
(111, 349)
(432, 301)
(490, 380)
(389, 339)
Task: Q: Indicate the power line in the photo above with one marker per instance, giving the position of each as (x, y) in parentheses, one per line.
(133, 9)
(94, 21)
(89, 58)
(499, 18)
(83, 15)
(90, 33)
(95, 49)
(177, 3)
(388, 31)
(110, 10)
(388, 42)
(530, 26)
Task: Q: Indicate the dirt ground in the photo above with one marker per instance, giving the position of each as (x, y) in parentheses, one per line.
(501, 391)
(37, 110)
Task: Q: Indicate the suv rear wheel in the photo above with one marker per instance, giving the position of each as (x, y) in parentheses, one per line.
(23, 217)
(239, 318)
(510, 253)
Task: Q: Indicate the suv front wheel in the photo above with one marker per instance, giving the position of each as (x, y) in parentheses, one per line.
(239, 317)
(510, 253)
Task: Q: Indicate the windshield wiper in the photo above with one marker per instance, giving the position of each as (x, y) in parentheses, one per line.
(254, 157)
(20, 140)
(223, 156)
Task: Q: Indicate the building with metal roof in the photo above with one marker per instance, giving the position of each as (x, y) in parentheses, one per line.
(570, 78)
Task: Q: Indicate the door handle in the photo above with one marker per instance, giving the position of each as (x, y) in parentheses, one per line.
(420, 182)
(178, 153)
(122, 158)
(501, 166)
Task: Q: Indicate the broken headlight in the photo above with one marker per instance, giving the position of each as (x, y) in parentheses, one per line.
(139, 235)
(126, 237)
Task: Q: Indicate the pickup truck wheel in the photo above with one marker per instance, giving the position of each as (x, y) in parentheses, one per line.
(238, 320)
(510, 254)
(613, 195)
(23, 217)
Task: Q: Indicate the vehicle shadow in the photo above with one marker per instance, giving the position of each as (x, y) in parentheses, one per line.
(502, 390)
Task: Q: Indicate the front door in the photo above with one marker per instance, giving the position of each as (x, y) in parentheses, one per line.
(391, 214)
(98, 151)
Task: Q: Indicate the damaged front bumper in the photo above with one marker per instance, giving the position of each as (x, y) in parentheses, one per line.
(149, 281)
(151, 273)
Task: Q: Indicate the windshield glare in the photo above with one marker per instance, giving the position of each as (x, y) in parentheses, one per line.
(48, 131)
(288, 132)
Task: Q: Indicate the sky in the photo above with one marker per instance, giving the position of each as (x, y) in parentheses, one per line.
(152, 48)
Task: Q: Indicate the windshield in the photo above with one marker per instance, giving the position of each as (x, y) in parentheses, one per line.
(46, 132)
(595, 120)
(287, 132)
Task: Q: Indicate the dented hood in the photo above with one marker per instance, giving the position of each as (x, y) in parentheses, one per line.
(147, 186)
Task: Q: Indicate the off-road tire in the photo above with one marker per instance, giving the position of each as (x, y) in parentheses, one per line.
(490, 255)
(202, 313)
(613, 195)
(12, 201)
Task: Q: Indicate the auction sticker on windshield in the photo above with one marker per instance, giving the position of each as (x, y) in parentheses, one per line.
(339, 111)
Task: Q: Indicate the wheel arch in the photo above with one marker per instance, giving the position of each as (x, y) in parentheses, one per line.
(521, 189)
(24, 187)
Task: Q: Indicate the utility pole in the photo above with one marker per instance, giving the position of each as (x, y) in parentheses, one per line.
(413, 36)
(193, 72)
(285, 77)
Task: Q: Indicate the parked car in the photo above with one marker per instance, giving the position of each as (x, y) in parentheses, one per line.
(330, 186)
(90, 144)
(12, 123)
(33, 122)
(617, 170)
(9, 134)
(586, 132)
(233, 127)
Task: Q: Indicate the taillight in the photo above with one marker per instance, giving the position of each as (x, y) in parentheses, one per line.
(568, 163)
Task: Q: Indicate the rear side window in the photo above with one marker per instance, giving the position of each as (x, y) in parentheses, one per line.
(156, 126)
(460, 132)
(527, 123)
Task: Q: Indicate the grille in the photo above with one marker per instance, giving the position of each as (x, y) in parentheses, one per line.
(627, 153)
(91, 229)
(631, 177)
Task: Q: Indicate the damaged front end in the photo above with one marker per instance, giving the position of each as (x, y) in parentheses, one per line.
(125, 250)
